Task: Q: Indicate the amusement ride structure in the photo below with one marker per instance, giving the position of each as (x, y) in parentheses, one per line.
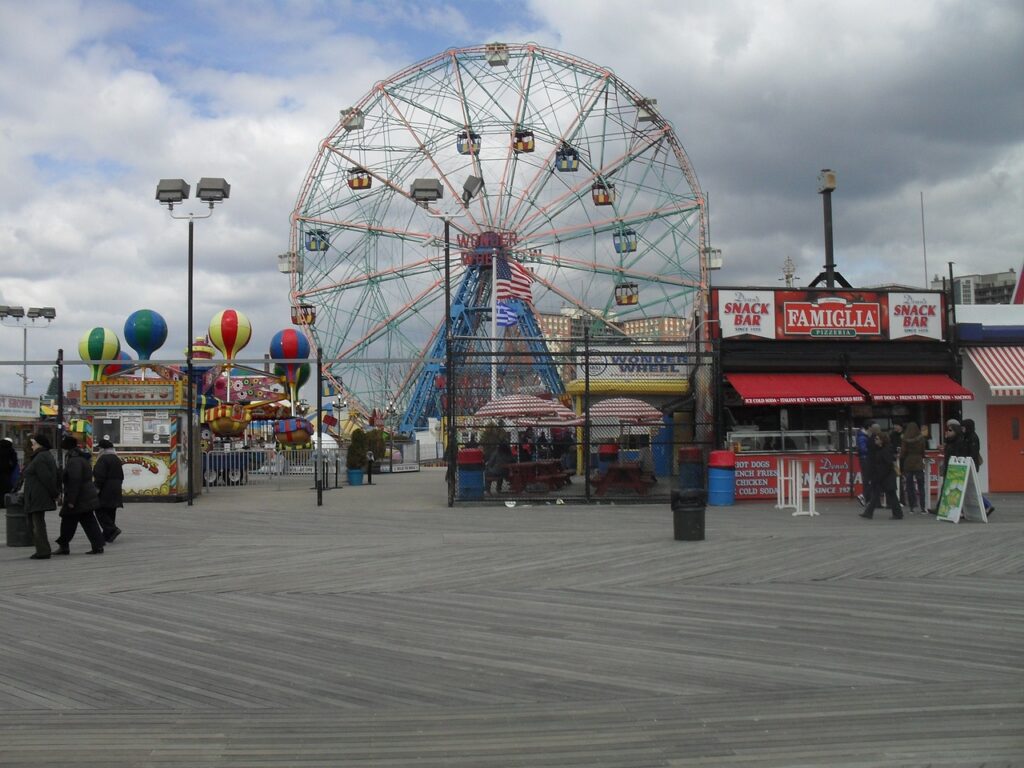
(544, 168)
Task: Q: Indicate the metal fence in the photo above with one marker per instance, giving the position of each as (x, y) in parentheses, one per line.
(634, 413)
(273, 468)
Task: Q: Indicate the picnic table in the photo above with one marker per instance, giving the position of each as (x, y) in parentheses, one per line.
(546, 472)
(622, 474)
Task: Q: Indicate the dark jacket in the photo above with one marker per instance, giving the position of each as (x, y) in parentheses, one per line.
(8, 465)
(972, 443)
(41, 482)
(883, 465)
(914, 445)
(80, 494)
(108, 474)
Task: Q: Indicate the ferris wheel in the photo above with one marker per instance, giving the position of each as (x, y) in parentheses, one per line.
(531, 158)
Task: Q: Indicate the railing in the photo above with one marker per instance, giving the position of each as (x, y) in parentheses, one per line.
(272, 467)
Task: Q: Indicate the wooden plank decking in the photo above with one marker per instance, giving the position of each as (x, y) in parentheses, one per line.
(385, 629)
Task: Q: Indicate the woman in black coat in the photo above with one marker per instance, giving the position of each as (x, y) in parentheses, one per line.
(41, 486)
(80, 500)
(882, 466)
(108, 474)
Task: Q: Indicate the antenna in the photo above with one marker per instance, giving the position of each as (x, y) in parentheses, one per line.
(788, 270)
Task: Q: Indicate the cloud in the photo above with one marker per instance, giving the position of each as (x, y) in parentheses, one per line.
(101, 99)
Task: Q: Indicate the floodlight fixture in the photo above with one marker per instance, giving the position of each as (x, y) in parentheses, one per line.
(172, 191)
(425, 191)
(826, 180)
(471, 188)
(213, 190)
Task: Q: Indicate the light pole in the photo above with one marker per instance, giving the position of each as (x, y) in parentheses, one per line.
(170, 192)
(423, 192)
(390, 412)
(20, 315)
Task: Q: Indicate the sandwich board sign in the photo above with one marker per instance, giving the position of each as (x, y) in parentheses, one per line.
(961, 493)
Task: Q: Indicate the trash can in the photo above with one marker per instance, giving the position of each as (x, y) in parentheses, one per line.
(18, 532)
(721, 478)
(691, 467)
(470, 463)
(606, 454)
(688, 514)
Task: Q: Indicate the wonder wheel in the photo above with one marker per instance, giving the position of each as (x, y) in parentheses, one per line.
(532, 158)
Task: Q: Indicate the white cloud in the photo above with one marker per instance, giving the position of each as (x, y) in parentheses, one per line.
(100, 99)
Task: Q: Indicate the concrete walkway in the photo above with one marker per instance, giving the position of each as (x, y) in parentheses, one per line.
(385, 629)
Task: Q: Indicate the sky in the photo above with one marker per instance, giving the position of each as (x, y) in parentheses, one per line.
(99, 100)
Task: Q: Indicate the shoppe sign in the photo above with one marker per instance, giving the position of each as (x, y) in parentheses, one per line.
(19, 408)
(833, 315)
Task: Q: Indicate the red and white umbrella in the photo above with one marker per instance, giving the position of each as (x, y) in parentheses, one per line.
(526, 408)
(626, 410)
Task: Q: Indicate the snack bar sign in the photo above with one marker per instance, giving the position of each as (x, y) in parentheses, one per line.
(915, 314)
(747, 313)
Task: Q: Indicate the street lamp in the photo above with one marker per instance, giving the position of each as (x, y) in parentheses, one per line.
(389, 414)
(423, 192)
(20, 315)
(171, 192)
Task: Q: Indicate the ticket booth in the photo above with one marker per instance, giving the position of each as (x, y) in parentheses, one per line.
(146, 420)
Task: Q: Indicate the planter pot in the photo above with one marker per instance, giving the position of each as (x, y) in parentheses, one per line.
(355, 477)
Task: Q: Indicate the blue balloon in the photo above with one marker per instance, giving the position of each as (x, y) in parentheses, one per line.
(145, 331)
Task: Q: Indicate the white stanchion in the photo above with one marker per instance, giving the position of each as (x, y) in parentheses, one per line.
(789, 487)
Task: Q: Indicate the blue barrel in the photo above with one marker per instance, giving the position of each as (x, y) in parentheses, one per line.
(721, 478)
(470, 463)
(691, 467)
(606, 454)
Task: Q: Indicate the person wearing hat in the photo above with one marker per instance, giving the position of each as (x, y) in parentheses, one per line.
(80, 500)
(108, 474)
(41, 486)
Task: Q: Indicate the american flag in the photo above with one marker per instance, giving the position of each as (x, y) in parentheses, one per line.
(506, 315)
(513, 280)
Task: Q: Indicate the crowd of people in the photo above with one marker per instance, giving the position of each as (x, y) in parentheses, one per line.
(892, 464)
(88, 495)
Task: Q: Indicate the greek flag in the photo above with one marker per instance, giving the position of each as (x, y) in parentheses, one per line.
(506, 315)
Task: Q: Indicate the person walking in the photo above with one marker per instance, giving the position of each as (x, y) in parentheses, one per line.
(8, 469)
(882, 467)
(972, 447)
(80, 500)
(912, 457)
(41, 485)
(864, 443)
(108, 474)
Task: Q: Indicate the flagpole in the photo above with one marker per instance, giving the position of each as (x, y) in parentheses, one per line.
(494, 323)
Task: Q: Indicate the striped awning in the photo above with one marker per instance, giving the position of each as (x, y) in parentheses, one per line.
(1001, 367)
(626, 409)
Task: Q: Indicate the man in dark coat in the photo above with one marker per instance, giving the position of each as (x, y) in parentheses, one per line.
(80, 500)
(882, 466)
(108, 474)
(41, 485)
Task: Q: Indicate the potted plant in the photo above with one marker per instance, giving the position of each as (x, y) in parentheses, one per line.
(355, 461)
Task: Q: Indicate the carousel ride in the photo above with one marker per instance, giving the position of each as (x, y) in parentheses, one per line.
(231, 397)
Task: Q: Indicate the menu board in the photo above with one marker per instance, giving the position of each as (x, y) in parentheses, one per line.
(134, 428)
(961, 494)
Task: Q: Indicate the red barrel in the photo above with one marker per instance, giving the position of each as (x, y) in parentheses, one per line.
(726, 459)
(470, 456)
(690, 454)
(608, 451)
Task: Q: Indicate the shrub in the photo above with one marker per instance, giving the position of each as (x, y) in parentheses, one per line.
(357, 447)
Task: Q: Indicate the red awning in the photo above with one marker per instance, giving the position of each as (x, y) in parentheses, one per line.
(793, 388)
(910, 387)
(1001, 367)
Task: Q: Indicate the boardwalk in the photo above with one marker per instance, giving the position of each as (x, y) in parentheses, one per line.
(384, 629)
